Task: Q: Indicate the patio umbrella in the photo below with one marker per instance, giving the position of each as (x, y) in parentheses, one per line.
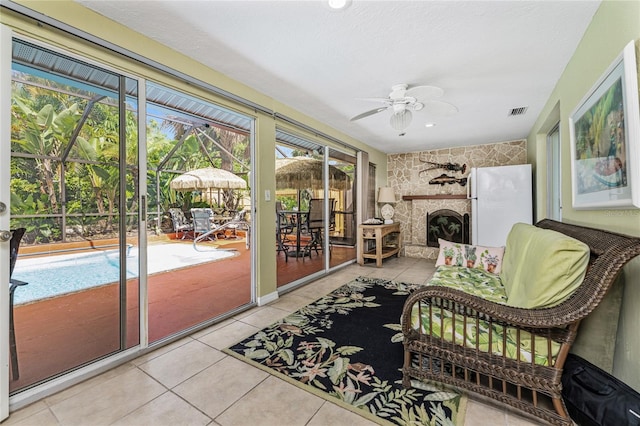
(207, 178)
(306, 172)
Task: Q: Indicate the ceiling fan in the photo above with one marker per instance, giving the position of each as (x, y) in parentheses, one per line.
(403, 100)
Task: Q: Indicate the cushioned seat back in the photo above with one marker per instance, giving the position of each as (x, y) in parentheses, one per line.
(541, 267)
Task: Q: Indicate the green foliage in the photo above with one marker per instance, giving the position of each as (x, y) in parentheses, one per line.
(45, 116)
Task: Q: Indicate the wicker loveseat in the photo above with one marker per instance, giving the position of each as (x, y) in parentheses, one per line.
(508, 353)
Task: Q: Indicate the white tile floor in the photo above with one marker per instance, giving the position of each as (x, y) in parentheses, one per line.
(191, 382)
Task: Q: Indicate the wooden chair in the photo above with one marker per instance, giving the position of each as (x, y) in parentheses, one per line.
(16, 237)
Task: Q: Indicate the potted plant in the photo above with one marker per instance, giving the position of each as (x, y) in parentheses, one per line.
(470, 255)
(491, 262)
(448, 255)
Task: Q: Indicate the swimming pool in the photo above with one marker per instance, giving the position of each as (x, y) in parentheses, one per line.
(55, 275)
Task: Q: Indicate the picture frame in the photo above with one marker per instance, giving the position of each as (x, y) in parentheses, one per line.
(605, 138)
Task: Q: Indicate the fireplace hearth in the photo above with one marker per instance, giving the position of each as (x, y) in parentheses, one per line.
(448, 225)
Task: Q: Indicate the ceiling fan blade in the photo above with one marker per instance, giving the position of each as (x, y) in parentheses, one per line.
(368, 113)
(425, 92)
(440, 108)
(383, 100)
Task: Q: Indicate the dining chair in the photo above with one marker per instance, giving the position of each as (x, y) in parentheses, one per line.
(316, 222)
(284, 228)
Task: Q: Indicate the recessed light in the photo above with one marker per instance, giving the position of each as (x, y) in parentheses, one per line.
(339, 4)
(430, 125)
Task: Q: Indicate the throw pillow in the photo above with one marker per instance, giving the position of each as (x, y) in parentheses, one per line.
(470, 256)
(542, 267)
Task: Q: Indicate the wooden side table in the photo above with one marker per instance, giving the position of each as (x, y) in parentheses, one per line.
(387, 239)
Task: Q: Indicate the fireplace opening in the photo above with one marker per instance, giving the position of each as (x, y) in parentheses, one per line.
(448, 225)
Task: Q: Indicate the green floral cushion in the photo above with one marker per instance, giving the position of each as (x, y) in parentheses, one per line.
(489, 287)
(470, 280)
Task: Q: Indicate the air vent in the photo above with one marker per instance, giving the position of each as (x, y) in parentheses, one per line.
(517, 111)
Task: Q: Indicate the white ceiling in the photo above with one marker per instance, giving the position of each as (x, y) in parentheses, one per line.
(488, 56)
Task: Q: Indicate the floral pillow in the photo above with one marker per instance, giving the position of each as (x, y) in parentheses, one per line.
(457, 254)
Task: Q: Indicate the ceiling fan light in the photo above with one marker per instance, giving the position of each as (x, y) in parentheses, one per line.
(338, 4)
(400, 120)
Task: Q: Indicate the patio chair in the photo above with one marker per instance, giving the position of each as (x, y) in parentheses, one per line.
(284, 228)
(316, 222)
(180, 222)
(201, 218)
(16, 237)
(239, 221)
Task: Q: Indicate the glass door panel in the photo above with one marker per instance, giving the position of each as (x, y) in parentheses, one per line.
(199, 256)
(342, 223)
(73, 155)
(301, 211)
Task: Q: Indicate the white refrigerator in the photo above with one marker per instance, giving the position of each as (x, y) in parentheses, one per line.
(500, 197)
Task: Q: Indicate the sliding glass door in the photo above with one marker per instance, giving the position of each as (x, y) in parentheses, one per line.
(199, 251)
(342, 223)
(104, 264)
(315, 208)
(300, 208)
(74, 191)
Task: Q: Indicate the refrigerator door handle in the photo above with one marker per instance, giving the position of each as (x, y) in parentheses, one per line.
(469, 185)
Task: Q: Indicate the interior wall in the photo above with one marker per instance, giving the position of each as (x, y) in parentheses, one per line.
(614, 25)
(77, 16)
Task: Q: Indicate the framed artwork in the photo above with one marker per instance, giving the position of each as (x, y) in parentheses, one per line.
(605, 133)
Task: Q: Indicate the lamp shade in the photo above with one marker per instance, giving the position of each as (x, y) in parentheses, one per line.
(386, 195)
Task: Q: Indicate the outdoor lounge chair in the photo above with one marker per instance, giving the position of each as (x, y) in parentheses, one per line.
(16, 237)
(205, 230)
(239, 221)
(201, 218)
(180, 222)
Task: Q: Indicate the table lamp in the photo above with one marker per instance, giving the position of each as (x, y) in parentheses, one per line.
(388, 197)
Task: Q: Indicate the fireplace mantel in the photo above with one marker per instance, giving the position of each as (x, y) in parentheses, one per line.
(435, 197)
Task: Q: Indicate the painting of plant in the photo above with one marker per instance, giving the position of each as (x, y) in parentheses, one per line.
(605, 139)
(601, 152)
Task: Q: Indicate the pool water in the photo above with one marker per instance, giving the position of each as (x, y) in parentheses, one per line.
(56, 275)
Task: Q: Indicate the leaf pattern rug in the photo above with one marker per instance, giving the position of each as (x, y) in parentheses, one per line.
(347, 348)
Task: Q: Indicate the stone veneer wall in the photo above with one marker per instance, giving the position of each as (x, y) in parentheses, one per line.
(405, 178)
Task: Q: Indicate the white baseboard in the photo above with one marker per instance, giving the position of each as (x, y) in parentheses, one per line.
(263, 300)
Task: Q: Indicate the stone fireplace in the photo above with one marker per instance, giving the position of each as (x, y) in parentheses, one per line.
(409, 174)
(448, 225)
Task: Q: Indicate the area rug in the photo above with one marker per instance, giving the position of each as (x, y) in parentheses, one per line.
(347, 348)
